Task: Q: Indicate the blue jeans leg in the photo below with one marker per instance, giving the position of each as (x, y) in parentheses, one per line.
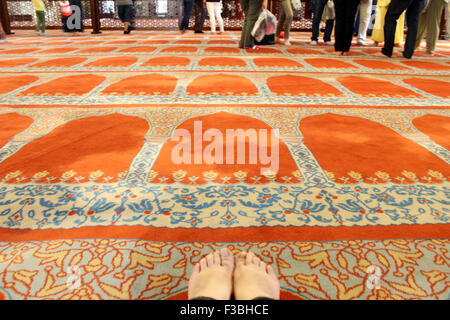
(188, 5)
(317, 17)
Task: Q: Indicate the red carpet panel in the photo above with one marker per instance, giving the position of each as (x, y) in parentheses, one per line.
(125, 160)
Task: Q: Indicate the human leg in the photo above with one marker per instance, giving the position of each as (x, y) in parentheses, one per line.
(40, 26)
(187, 5)
(253, 11)
(212, 15)
(433, 23)
(350, 13)
(288, 16)
(244, 5)
(422, 28)
(280, 23)
(365, 9)
(394, 10)
(339, 29)
(199, 12)
(317, 18)
(218, 15)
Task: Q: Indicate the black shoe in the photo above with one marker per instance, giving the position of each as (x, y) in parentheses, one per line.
(198, 31)
(386, 54)
(406, 56)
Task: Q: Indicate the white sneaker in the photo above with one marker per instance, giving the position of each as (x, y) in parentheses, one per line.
(329, 43)
(38, 33)
(360, 43)
(287, 43)
(313, 42)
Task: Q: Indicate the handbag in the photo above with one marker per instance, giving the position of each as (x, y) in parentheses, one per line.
(426, 4)
(329, 13)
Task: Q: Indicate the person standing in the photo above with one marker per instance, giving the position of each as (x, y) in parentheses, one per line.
(317, 7)
(252, 9)
(429, 24)
(378, 29)
(125, 10)
(78, 25)
(345, 20)
(200, 15)
(284, 21)
(187, 7)
(214, 11)
(39, 8)
(395, 9)
(365, 13)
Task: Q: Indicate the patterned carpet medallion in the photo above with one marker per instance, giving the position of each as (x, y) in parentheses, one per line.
(354, 202)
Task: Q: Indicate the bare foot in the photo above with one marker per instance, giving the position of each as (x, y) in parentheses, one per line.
(253, 278)
(212, 276)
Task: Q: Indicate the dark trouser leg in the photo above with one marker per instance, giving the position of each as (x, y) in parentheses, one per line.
(328, 30)
(121, 12)
(412, 22)
(395, 9)
(64, 23)
(244, 5)
(254, 8)
(350, 14)
(345, 19)
(188, 5)
(317, 17)
(133, 16)
(80, 7)
(199, 12)
(339, 29)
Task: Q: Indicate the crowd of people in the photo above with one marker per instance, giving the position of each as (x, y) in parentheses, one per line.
(422, 17)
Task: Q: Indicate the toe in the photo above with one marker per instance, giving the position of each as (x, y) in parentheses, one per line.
(249, 258)
(216, 260)
(226, 257)
(240, 259)
(270, 271)
(203, 264)
(196, 270)
(256, 261)
(210, 259)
